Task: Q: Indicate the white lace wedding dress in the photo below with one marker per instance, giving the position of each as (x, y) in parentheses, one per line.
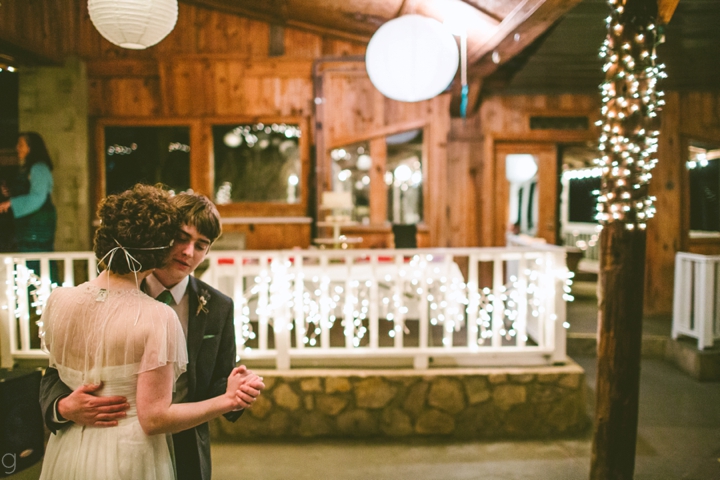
(96, 335)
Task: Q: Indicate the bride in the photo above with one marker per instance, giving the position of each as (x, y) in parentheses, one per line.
(107, 330)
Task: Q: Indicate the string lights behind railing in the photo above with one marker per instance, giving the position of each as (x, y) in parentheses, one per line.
(631, 101)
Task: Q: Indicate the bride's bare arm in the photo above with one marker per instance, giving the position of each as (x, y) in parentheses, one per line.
(157, 414)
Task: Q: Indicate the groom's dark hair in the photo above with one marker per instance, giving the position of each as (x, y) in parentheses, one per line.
(198, 211)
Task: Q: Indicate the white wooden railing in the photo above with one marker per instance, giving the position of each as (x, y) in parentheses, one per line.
(584, 236)
(696, 299)
(28, 283)
(361, 307)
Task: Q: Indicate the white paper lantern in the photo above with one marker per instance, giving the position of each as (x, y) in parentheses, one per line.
(134, 24)
(412, 58)
(520, 167)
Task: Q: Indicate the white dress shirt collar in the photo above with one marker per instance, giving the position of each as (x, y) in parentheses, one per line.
(154, 288)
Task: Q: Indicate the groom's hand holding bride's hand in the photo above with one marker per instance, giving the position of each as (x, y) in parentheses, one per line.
(244, 386)
(84, 408)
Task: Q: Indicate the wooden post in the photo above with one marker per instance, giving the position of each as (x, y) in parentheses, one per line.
(622, 275)
(628, 151)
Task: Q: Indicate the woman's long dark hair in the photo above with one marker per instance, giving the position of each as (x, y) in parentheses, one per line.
(38, 150)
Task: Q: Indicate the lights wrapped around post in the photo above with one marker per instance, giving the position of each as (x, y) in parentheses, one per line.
(631, 101)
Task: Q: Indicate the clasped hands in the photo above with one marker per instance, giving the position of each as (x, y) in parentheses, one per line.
(243, 387)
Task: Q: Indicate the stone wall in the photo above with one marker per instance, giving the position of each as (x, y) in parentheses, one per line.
(53, 101)
(459, 403)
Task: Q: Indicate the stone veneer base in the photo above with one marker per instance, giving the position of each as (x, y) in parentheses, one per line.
(484, 403)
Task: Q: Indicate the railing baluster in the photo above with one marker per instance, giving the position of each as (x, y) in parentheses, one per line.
(448, 323)
(498, 306)
(522, 310)
(374, 303)
(557, 262)
(703, 304)
(348, 306)
(473, 295)
(9, 341)
(324, 304)
(92, 268)
(68, 272)
(421, 361)
(398, 317)
(238, 296)
(23, 306)
(263, 304)
(299, 312)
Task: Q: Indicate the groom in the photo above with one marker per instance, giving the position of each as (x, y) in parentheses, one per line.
(207, 319)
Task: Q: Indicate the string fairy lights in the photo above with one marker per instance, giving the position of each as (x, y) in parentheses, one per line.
(421, 286)
(630, 105)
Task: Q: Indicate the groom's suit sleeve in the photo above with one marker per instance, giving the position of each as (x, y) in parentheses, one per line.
(226, 359)
(51, 390)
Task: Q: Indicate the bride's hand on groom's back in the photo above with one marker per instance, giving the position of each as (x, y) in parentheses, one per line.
(244, 386)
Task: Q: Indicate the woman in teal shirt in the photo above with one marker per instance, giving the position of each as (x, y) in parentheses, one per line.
(30, 200)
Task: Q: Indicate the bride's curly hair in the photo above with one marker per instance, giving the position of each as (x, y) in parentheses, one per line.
(136, 219)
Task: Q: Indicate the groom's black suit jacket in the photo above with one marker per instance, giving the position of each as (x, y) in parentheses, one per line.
(211, 358)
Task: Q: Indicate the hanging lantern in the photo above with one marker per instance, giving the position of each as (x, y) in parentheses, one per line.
(412, 58)
(520, 167)
(133, 24)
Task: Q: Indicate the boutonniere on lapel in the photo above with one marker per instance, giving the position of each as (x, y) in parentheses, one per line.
(202, 301)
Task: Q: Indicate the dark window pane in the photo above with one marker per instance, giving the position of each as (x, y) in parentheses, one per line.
(8, 110)
(704, 203)
(583, 202)
(147, 155)
(257, 163)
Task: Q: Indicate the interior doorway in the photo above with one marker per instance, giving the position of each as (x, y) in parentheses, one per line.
(526, 187)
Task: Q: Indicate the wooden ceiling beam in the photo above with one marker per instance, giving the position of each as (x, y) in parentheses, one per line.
(14, 55)
(519, 29)
(277, 16)
(666, 9)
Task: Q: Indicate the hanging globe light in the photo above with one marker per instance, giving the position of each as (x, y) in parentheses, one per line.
(133, 24)
(520, 167)
(412, 58)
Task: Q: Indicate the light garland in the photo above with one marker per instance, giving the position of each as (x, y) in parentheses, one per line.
(419, 281)
(27, 282)
(631, 101)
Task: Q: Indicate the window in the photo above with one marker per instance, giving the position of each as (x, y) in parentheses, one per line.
(351, 173)
(404, 177)
(142, 154)
(257, 163)
(704, 174)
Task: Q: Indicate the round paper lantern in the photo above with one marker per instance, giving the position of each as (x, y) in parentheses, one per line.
(411, 58)
(134, 24)
(520, 167)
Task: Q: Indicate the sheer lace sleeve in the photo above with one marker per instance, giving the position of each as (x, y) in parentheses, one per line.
(164, 342)
(92, 334)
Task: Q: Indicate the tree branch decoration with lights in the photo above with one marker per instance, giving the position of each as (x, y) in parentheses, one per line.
(630, 124)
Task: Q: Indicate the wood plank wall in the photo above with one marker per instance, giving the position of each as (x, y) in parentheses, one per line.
(686, 116)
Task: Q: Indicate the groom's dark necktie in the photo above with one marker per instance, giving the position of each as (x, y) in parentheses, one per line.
(165, 297)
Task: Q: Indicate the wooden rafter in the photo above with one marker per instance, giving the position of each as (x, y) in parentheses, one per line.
(666, 9)
(518, 30)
